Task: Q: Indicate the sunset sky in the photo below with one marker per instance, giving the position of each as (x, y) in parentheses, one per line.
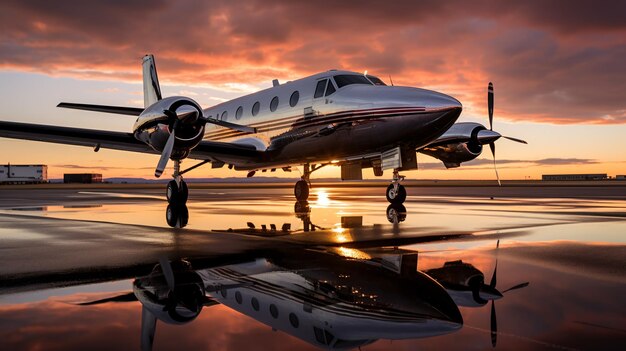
(558, 67)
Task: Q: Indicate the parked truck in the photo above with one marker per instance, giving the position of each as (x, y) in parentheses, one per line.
(23, 174)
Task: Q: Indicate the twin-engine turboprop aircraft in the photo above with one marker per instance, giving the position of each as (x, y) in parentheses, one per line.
(335, 117)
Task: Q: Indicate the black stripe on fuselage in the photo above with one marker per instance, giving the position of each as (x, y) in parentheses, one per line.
(337, 307)
(298, 122)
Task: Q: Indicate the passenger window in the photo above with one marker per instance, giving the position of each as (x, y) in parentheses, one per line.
(274, 104)
(319, 89)
(255, 108)
(330, 88)
(293, 100)
(239, 112)
(224, 115)
(293, 320)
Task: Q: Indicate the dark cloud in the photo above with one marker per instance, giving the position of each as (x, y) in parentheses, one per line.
(551, 61)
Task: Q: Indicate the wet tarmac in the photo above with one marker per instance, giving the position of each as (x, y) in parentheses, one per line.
(245, 268)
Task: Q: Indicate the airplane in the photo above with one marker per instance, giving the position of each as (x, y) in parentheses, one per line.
(340, 118)
(325, 299)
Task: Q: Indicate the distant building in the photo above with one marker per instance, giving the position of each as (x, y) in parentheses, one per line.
(620, 177)
(589, 176)
(23, 174)
(82, 178)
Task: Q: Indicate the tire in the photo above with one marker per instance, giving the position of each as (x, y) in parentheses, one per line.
(301, 190)
(177, 216)
(183, 193)
(301, 207)
(171, 193)
(396, 213)
(396, 198)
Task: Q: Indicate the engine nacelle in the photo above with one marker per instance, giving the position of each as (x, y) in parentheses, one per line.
(154, 124)
(460, 143)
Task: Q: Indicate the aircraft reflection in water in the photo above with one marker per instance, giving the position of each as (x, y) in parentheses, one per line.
(333, 298)
(320, 297)
(337, 298)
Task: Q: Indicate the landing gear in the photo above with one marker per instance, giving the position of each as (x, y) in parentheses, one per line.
(396, 193)
(177, 191)
(301, 189)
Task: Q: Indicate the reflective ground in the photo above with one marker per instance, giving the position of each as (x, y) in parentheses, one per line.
(253, 269)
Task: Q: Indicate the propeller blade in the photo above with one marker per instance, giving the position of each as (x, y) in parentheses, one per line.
(494, 325)
(515, 139)
(495, 268)
(229, 125)
(492, 146)
(168, 273)
(167, 152)
(518, 286)
(148, 328)
(127, 297)
(490, 104)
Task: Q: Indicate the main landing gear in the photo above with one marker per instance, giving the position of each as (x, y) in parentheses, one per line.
(177, 191)
(301, 189)
(396, 193)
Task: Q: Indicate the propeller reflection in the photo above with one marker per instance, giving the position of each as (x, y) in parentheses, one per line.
(466, 285)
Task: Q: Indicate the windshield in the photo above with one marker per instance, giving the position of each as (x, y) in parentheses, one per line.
(347, 79)
(376, 80)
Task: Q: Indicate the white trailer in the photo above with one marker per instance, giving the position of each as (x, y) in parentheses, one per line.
(22, 174)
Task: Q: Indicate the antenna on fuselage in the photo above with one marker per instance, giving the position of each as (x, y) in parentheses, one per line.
(391, 80)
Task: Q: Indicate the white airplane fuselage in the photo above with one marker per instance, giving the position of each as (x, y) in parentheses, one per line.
(343, 121)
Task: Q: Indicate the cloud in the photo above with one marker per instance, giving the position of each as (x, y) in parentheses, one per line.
(551, 61)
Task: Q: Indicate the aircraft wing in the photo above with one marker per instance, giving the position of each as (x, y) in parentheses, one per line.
(206, 150)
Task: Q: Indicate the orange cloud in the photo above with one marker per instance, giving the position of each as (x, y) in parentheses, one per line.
(554, 63)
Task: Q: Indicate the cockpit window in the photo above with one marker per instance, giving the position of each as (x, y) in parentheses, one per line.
(330, 88)
(319, 89)
(346, 79)
(376, 80)
(324, 337)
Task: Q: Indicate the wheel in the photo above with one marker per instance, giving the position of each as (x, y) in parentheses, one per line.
(396, 213)
(301, 207)
(172, 192)
(396, 198)
(177, 216)
(183, 192)
(301, 190)
(176, 194)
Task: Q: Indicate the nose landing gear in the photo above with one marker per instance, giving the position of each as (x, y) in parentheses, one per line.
(177, 191)
(396, 193)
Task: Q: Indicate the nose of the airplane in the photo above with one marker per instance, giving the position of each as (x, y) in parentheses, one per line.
(433, 100)
(437, 301)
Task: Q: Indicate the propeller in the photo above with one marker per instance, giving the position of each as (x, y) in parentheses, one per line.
(187, 114)
(168, 273)
(496, 295)
(492, 136)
